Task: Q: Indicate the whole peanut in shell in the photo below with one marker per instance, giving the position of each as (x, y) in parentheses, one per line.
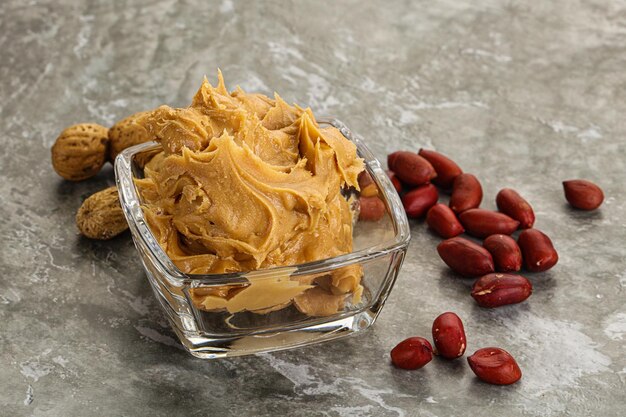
(447, 170)
(537, 250)
(583, 194)
(128, 132)
(467, 193)
(411, 168)
(101, 216)
(513, 205)
(80, 151)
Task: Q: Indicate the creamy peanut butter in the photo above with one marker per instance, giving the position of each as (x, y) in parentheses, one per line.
(246, 182)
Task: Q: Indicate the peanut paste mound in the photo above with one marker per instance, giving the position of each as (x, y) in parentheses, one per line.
(246, 182)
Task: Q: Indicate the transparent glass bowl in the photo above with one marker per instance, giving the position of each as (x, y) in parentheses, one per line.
(378, 250)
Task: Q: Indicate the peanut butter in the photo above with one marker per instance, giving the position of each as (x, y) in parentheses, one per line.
(246, 182)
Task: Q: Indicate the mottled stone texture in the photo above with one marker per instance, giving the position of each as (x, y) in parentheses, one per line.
(522, 94)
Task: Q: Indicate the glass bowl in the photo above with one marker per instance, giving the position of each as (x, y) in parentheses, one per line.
(378, 251)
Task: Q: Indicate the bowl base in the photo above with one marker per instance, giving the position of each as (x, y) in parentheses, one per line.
(215, 348)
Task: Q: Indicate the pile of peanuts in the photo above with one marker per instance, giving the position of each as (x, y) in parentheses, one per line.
(418, 178)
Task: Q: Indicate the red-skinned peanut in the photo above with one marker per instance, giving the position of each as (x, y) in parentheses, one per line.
(394, 180)
(495, 366)
(537, 250)
(447, 170)
(467, 193)
(449, 336)
(372, 209)
(496, 290)
(412, 353)
(482, 223)
(507, 256)
(583, 194)
(442, 220)
(417, 201)
(513, 205)
(465, 257)
(367, 185)
(411, 168)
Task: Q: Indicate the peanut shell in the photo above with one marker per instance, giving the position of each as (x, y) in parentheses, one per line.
(127, 133)
(101, 216)
(80, 151)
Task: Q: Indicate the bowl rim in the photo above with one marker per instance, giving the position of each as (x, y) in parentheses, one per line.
(131, 206)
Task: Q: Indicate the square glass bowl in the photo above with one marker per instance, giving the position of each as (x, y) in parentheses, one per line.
(378, 251)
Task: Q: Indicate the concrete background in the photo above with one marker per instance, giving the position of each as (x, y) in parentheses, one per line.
(522, 94)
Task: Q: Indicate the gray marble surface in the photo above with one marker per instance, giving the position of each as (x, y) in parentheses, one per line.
(523, 94)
